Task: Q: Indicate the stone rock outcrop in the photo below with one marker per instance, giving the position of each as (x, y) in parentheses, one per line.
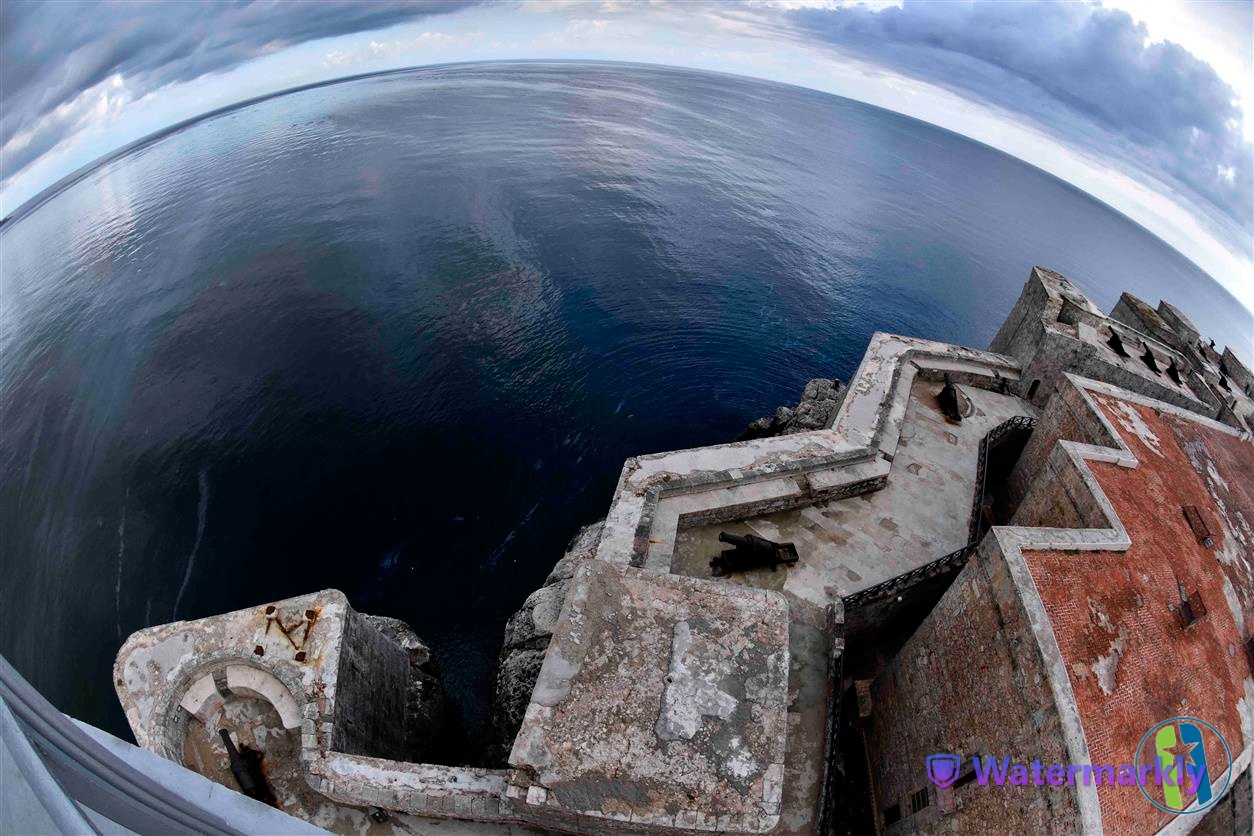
(527, 636)
(818, 405)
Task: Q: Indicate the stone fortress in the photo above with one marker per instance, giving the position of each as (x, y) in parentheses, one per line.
(1040, 551)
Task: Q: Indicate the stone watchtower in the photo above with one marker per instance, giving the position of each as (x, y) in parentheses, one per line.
(294, 680)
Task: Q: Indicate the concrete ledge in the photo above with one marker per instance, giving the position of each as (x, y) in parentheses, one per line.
(420, 789)
(659, 494)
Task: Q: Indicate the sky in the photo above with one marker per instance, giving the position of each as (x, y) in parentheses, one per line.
(1141, 103)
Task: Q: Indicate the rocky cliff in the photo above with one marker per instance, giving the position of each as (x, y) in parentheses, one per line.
(818, 405)
(527, 636)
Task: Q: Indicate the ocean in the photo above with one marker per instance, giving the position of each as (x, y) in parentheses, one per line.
(396, 335)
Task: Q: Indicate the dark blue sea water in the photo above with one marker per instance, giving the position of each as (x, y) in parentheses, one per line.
(396, 335)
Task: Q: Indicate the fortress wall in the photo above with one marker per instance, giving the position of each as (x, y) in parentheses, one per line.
(372, 685)
(1237, 372)
(1055, 329)
(1059, 353)
(1234, 813)
(1022, 328)
(1059, 498)
(1187, 335)
(969, 682)
(1066, 417)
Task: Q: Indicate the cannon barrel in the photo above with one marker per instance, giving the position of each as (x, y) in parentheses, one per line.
(752, 542)
(749, 542)
(246, 772)
(750, 551)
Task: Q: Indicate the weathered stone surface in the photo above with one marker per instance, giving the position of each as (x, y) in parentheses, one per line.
(661, 697)
(527, 636)
(819, 403)
(849, 544)
(343, 707)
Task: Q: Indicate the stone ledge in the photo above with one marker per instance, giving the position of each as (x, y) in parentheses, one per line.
(595, 746)
(655, 493)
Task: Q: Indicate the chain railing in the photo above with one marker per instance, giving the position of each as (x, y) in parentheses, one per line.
(934, 567)
(1017, 424)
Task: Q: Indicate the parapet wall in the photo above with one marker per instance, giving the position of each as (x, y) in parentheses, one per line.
(1066, 417)
(1134, 313)
(372, 687)
(659, 494)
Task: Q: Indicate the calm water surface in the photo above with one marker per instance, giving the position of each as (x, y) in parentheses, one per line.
(396, 335)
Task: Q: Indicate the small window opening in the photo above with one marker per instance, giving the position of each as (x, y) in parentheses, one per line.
(1190, 609)
(1036, 384)
(1173, 372)
(1116, 344)
(893, 814)
(1198, 523)
(919, 801)
(1149, 360)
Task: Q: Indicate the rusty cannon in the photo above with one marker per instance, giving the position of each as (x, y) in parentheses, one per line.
(750, 551)
(246, 767)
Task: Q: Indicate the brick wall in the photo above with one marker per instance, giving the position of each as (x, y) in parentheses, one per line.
(970, 681)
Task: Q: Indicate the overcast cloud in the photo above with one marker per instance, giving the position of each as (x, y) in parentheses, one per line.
(1173, 110)
(1091, 77)
(59, 59)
